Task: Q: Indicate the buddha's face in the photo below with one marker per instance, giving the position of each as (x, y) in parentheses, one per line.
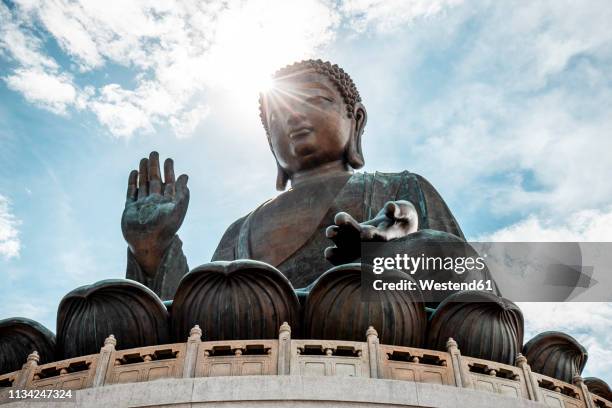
(307, 122)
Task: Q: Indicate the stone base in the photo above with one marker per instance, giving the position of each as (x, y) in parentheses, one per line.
(282, 391)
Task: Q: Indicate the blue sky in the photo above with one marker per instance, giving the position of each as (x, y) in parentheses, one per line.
(504, 106)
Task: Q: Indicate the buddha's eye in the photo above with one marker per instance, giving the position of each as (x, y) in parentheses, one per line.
(319, 99)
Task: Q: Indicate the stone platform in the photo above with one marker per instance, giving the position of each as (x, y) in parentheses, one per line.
(293, 372)
(283, 391)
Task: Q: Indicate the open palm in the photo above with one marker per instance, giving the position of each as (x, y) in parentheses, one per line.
(395, 220)
(154, 208)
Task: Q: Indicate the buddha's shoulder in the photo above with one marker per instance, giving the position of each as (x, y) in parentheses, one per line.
(404, 183)
(401, 176)
(226, 247)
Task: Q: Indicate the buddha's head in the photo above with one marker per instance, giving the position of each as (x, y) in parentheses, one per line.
(313, 116)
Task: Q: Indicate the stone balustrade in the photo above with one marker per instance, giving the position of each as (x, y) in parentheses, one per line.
(496, 377)
(287, 356)
(74, 373)
(7, 380)
(146, 364)
(413, 364)
(599, 402)
(329, 358)
(237, 357)
(560, 394)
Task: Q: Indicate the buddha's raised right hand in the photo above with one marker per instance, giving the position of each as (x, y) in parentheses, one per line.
(154, 211)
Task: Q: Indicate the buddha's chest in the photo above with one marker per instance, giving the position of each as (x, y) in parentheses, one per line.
(281, 228)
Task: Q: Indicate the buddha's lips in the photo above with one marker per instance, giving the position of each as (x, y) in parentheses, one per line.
(299, 132)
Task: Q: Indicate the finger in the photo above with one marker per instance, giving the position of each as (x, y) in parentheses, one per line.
(182, 192)
(169, 190)
(330, 252)
(337, 256)
(169, 171)
(334, 255)
(143, 179)
(371, 233)
(332, 231)
(401, 210)
(169, 186)
(345, 234)
(392, 210)
(132, 189)
(343, 219)
(154, 174)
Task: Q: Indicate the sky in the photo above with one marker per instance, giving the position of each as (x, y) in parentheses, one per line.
(504, 106)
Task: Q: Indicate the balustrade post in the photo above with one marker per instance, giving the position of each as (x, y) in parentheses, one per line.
(533, 388)
(104, 359)
(284, 349)
(191, 353)
(584, 391)
(462, 376)
(373, 352)
(25, 376)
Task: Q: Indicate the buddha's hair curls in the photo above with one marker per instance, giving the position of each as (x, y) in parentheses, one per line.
(334, 73)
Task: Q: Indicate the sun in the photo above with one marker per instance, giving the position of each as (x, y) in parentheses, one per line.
(252, 42)
(266, 84)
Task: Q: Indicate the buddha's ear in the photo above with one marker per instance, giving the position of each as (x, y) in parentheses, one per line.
(354, 155)
(281, 178)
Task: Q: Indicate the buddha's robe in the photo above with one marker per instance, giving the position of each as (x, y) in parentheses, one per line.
(288, 231)
(169, 273)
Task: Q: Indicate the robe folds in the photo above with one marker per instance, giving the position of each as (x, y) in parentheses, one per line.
(288, 231)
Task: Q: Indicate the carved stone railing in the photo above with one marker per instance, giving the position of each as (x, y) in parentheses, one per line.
(413, 364)
(146, 364)
(237, 357)
(599, 402)
(8, 379)
(286, 356)
(329, 358)
(74, 374)
(560, 394)
(496, 377)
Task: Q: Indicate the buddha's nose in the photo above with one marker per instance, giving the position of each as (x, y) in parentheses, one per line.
(295, 117)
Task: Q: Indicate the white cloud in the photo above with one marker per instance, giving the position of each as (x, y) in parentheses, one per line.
(185, 124)
(388, 15)
(54, 92)
(175, 52)
(37, 75)
(10, 245)
(119, 109)
(581, 226)
(30, 308)
(178, 51)
(537, 40)
(519, 155)
(522, 113)
(19, 43)
(589, 323)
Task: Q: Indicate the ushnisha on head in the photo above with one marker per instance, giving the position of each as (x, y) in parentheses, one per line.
(314, 119)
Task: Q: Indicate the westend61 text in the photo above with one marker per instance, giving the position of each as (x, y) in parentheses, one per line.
(429, 284)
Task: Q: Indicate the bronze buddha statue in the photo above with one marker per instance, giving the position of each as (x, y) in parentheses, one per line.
(293, 258)
(314, 120)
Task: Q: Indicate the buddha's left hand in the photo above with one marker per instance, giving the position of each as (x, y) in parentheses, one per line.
(396, 220)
